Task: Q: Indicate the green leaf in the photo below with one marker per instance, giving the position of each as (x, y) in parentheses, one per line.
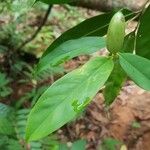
(63, 147)
(3, 80)
(79, 145)
(62, 101)
(13, 145)
(70, 49)
(91, 27)
(56, 1)
(114, 83)
(118, 76)
(137, 68)
(110, 144)
(129, 43)
(136, 124)
(94, 26)
(6, 120)
(143, 35)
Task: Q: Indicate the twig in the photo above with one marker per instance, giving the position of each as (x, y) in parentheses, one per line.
(38, 30)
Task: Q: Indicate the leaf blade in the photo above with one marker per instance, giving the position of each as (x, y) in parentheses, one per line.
(61, 100)
(94, 26)
(114, 83)
(137, 69)
(129, 43)
(70, 49)
(142, 39)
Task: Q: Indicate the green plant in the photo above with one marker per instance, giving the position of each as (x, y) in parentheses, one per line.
(16, 64)
(5, 90)
(136, 124)
(12, 133)
(68, 96)
(110, 144)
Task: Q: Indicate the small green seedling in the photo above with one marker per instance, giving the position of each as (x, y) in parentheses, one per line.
(110, 144)
(136, 124)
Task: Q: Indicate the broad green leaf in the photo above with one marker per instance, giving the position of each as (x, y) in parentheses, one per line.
(114, 83)
(94, 26)
(129, 43)
(137, 68)
(68, 96)
(56, 1)
(143, 35)
(70, 49)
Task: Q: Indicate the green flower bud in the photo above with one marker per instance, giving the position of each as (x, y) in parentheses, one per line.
(116, 33)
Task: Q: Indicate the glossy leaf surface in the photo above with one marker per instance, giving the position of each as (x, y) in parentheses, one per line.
(68, 96)
(114, 83)
(143, 35)
(94, 26)
(137, 68)
(70, 49)
(129, 43)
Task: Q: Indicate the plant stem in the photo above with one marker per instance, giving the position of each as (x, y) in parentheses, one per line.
(38, 30)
